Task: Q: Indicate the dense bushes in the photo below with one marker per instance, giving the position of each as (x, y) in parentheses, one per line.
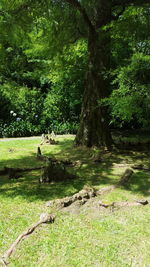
(53, 103)
(25, 128)
(27, 112)
(18, 129)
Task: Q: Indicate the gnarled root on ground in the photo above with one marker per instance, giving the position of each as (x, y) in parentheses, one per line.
(82, 196)
(44, 218)
(89, 192)
(124, 203)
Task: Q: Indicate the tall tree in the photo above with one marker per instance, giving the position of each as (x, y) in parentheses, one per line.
(69, 20)
(94, 124)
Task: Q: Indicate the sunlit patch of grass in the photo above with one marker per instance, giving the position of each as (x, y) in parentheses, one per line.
(111, 238)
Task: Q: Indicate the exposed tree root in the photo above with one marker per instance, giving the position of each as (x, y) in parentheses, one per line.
(48, 140)
(14, 173)
(105, 190)
(82, 196)
(39, 154)
(53, 159)
(44, 218)
(41, 157)
(88, 192)
(140, 167)
(125, 178)
(124, 203)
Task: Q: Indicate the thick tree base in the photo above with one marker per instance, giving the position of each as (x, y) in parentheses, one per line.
(94, 138)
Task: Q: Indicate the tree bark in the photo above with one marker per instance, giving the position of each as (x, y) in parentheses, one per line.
(94, 124)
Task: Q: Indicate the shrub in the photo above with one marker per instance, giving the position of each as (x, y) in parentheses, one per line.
(63, 128)
(130, 101)
(18, 129)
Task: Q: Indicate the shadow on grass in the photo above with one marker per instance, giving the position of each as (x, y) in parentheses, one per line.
(140, 183)
(28, 185)
(94, 174)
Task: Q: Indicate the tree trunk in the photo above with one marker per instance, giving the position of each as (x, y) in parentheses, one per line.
(94, 124)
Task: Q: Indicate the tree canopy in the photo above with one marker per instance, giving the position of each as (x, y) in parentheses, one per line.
(64, 53)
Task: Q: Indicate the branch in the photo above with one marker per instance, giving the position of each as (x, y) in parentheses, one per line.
(130, 2)
(82, 10)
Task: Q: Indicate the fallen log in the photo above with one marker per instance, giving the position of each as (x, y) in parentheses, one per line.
(44, 218)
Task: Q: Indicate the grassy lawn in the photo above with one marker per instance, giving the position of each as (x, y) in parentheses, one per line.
(92, 238)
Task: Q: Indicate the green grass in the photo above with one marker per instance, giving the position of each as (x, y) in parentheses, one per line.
(94, 237)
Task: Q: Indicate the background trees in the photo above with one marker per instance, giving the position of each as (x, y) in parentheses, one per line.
(45, 67)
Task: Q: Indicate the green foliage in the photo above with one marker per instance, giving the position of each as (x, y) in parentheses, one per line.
(18, 129)
(131, 100)
(27, 104)
(24, 108)
(63, 100)
(129, 35)
(43, 62)
(49, 96)
(64, 128)
(5, 105)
